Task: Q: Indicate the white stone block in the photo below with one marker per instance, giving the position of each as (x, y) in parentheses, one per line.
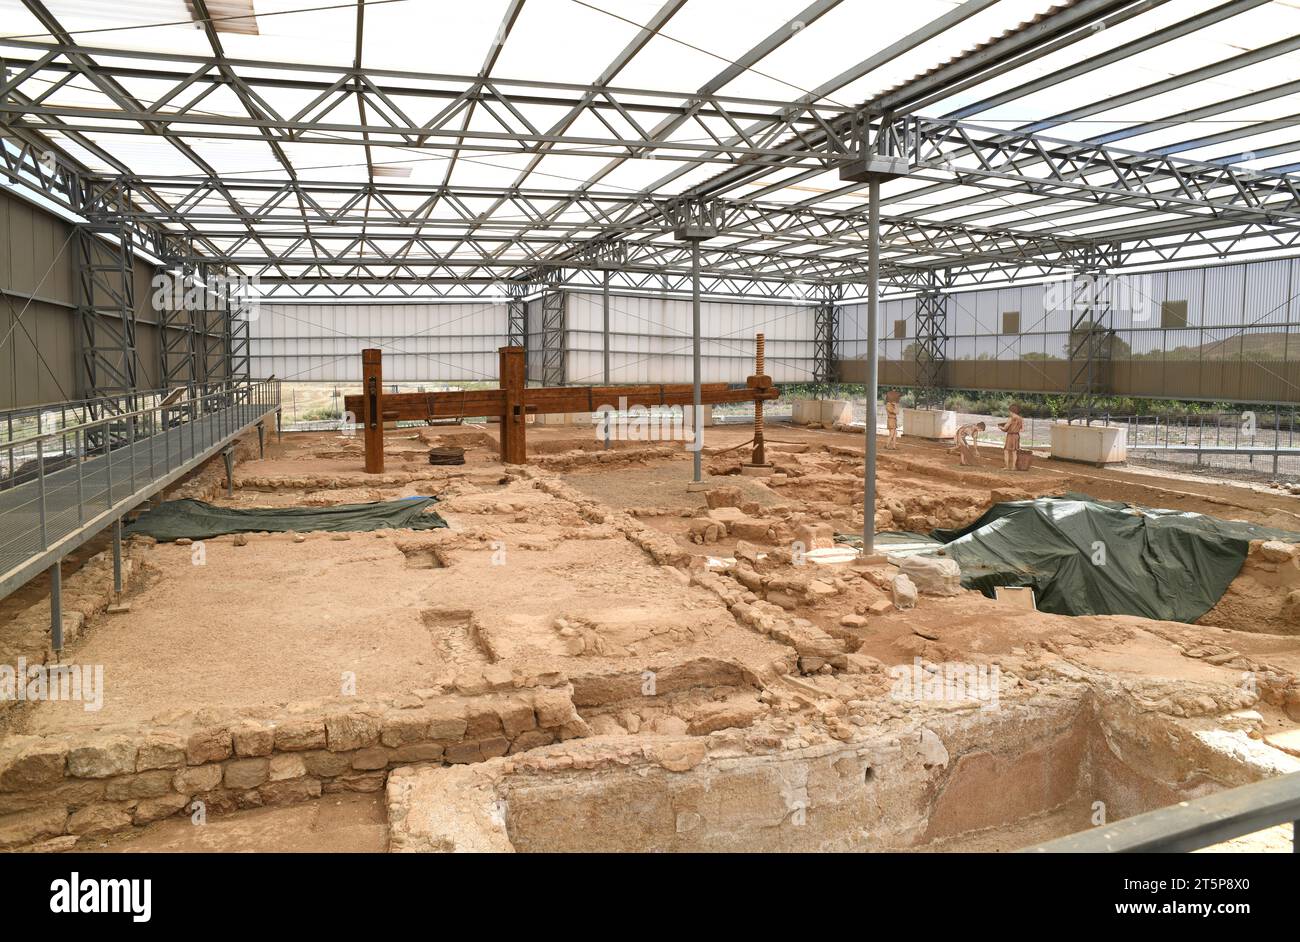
(835, 412)
(928, 423)
(688, 416)
(1094, 444)
(803, 411)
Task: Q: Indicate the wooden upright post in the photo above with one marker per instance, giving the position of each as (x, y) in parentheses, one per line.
(514, 446)
(372, 394)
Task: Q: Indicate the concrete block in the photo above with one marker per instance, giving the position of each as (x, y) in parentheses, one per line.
(688, 416)
(928, 423)
(804, 411)
(834, 412)
(1094, 444)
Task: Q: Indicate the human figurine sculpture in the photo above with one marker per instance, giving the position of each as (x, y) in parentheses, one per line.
(891, 418)
(1011, 447)
(967, 443)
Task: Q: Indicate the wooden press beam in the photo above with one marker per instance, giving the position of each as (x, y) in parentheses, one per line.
(372, 408)
(514, 402)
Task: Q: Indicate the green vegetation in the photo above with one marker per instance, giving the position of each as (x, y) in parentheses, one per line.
(1036, 405)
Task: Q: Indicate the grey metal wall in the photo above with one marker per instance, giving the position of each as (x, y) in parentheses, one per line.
(38, 327)
(1241, 341)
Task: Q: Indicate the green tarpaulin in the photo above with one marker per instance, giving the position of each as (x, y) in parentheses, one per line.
(197, 520)
(1090, 557)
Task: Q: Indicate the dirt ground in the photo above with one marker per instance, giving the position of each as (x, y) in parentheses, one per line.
(597, 564)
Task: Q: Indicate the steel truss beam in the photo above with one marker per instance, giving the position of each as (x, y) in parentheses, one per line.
(798, 134)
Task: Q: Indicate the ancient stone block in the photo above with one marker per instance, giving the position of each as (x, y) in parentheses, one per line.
(100, 818)
(347, 731)
(208, 745)
(161, 751)
(418, 752)
(402, 728)
(28, 826)
(253, 739)
(199, 778)
(300, 735)
(904, 592)
(532, 739)
(155, 809)
(246, 773)
(33, 765)
(462, 752)
(446, 720)
(289, 791)
(516, 716)
(143, 785)
(326, 764)
(481, 721)
(374, 757)
(285, 766)
(104, 759)
(553, 708)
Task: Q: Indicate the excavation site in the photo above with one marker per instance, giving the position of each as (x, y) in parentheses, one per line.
(588, 653)
(647, 431)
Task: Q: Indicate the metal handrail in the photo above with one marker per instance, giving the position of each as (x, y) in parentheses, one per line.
(182, 405)
(55, 503)
(1191, 825)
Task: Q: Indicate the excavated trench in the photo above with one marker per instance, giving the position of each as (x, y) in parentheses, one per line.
(988, 780)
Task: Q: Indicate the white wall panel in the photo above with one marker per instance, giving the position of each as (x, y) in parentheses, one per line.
(650, 340)
(421, 342)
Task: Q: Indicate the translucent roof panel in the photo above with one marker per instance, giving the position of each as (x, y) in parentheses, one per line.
(528, 128)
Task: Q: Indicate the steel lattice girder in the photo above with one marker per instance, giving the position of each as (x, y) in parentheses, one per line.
(1248, 211)
(931, 344)
(778, 133)
(105, 296)
(826, 340)
(517, 315)
(554, 337)
(1090, 341)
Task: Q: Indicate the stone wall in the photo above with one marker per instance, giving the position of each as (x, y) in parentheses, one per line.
(58, 788)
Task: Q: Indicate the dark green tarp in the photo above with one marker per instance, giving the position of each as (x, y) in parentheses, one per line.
(1090, 557)
(197, 520)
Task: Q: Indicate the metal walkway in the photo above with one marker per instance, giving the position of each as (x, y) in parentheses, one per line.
(58, 502)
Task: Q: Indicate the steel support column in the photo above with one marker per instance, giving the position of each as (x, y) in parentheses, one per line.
(693, 221)
(930, 350)
(604, 330)
(554, 337)
(873, 355)
(177, 343)
(697, 407)
(1090, 343)
(517, 315)
(826, 334)
(105, 290)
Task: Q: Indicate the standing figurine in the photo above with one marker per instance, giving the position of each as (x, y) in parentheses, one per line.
(1011, 447)
(891, 418)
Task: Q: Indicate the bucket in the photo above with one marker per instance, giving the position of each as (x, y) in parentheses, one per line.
(1024, 460)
